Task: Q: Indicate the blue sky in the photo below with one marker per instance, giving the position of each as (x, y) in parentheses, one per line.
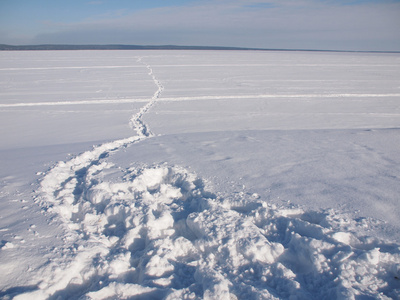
(289, 24)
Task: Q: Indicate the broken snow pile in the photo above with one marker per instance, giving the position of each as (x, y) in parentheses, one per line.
(162, 232)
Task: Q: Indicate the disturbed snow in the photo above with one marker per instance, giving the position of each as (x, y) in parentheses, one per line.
(135, 220)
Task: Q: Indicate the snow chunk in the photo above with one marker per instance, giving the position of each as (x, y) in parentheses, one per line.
(120, 291)
(343, 237)
(372, 256)
(7, 245)
(158, 266)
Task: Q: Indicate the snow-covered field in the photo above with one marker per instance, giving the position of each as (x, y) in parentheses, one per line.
(199, 175)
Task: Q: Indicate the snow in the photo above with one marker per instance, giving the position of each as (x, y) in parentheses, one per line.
(199, 175)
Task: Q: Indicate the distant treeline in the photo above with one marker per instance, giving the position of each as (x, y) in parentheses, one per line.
(149, 47)
(116, 47)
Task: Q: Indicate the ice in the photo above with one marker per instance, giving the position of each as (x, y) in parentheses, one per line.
(199, 175)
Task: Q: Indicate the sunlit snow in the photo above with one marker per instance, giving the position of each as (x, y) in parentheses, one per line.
(199, 175)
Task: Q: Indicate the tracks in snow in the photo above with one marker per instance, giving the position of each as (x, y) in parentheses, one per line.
(64, 185)
(70, 172)
(136, 121)
(66, 172)
(162, 232)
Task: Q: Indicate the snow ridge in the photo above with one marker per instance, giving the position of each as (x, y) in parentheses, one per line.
(177, 99)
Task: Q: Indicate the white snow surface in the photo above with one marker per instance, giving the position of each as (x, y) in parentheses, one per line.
(199, 175)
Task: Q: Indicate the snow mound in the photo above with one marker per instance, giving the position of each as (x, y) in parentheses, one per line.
(163, 233)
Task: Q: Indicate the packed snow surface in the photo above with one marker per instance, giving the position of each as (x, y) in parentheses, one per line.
(199, 175)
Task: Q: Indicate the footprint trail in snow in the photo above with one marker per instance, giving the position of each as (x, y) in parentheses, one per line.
(160, 232)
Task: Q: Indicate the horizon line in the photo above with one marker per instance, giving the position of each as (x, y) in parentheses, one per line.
(41, 47)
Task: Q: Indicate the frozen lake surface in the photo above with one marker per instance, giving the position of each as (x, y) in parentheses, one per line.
(199, 175)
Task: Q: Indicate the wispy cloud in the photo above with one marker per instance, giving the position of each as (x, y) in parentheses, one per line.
(268, 24)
